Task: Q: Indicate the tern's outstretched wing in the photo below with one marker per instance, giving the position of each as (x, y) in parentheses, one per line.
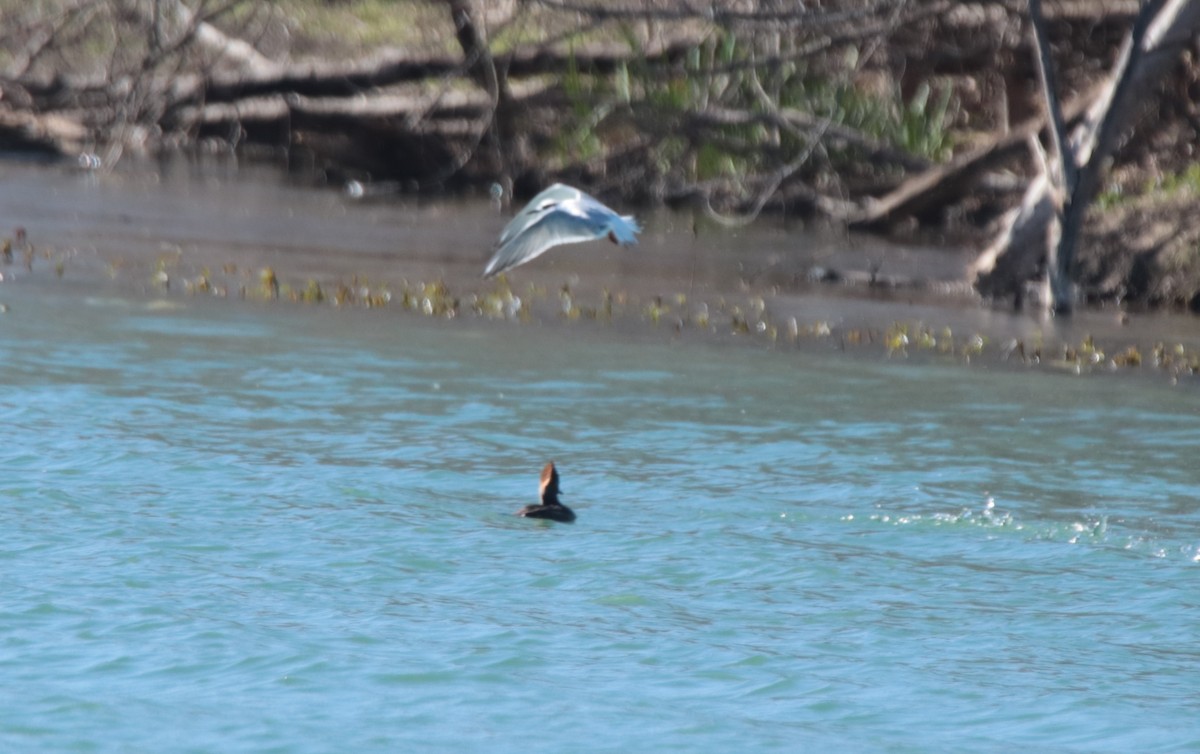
(539, 205)
(562, 224)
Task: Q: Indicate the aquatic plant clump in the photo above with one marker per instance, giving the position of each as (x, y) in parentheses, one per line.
(748, 317)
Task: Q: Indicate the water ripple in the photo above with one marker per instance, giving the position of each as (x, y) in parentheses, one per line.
(230, 529)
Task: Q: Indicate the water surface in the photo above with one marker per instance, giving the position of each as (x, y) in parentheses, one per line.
(245, 527)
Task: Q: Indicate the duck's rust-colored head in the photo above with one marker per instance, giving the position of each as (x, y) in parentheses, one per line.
(549, 487)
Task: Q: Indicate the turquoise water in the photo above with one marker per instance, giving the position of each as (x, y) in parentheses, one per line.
(235, 527)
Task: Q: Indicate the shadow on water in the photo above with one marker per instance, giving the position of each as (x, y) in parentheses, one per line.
(218, 226)
(216, 212)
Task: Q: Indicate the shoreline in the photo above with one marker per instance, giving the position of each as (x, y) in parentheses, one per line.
(245, 235)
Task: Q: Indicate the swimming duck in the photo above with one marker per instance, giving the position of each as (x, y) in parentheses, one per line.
(550, 508)
(559, 215)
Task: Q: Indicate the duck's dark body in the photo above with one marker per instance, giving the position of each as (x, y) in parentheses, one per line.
(549, 508)
(557, 512)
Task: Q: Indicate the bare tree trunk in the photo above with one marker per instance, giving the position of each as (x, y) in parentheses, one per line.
(1050, 217)
(504, 135)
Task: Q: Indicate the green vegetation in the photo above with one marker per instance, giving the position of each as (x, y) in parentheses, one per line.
(352, 25)
(735, 105)
(716, 116)
(1184, 182)
(1172, 185)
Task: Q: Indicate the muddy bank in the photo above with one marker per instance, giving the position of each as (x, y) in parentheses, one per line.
(179, 231)
(914, 120)
(589, 87)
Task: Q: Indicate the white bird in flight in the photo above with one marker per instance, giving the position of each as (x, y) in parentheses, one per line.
(559, 215)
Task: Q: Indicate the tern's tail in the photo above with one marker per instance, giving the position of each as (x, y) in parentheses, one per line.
(626, 230)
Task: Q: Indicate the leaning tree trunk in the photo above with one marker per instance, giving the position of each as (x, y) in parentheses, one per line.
(1048, 222)
(503, 132)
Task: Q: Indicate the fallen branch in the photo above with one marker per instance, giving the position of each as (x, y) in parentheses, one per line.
(803, 122)
(414, 108)
(1048, 222)
(943, 185)
(338, 79)
(47, 133)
